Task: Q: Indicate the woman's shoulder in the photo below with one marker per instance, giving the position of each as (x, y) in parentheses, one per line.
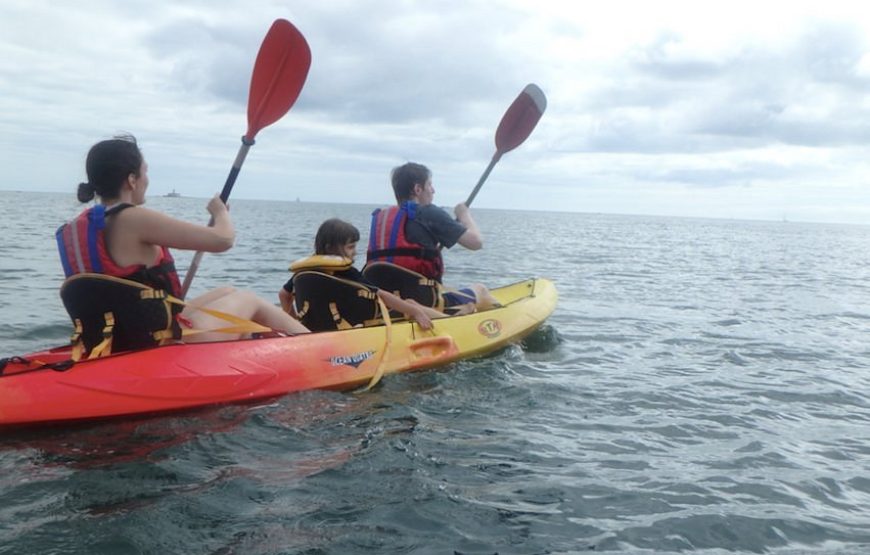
(135, 212)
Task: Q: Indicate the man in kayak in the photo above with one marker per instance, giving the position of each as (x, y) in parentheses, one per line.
(412, 233)
(119, 237)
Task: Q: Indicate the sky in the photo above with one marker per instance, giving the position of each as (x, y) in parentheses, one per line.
(747, 110)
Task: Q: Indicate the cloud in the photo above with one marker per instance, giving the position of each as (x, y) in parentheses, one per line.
(392, 69)
(642, 97)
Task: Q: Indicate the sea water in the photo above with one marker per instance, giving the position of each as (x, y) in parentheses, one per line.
(703, 387)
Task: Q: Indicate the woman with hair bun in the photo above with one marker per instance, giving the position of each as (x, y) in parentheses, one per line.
(119, 237)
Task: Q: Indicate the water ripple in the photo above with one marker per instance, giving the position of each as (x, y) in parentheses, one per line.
(702, 387)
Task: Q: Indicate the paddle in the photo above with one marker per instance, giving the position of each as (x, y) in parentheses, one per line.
(279, 73)
(515, 127)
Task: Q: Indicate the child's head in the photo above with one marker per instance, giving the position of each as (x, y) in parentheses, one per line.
(336, 237)
(406, 177)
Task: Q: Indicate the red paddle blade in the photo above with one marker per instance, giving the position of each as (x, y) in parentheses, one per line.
(279, 73)
(520, 119)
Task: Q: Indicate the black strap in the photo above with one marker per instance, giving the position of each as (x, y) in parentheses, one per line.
(115, 209)
(417, 252)
(7, 360)
(60, 366)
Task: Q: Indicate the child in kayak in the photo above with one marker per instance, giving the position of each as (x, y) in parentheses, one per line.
(335, 244)
(119, 237)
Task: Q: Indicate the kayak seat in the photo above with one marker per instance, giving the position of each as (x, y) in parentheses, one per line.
(115, 314)
(325, 302)
(404, 283)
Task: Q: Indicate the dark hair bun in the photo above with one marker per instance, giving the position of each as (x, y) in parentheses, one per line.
(86, 192)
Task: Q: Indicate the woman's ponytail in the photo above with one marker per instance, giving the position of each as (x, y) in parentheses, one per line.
(86, 192)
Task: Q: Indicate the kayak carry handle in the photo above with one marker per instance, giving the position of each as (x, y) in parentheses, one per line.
(432, 349)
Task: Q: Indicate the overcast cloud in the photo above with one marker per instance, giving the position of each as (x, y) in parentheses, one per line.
(733, 109)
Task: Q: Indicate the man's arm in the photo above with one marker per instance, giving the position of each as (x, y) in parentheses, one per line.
(471, 239)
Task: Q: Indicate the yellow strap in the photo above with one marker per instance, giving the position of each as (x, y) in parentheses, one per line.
(102, 349)
(301, 313)
(152, 294)
(242, 325)
(228, 329)
(340, 323)
(109, 319)
(366, 293)
(379, 372)
(162, 336)
(77, 331)
(76, 341)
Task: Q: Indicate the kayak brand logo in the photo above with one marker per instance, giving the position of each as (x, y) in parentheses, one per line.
(351, 360)
(490, 328)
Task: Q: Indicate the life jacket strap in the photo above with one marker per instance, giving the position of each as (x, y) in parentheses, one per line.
(388, 342)
(104, 347)
(366, 294)
(340, 323)
(75, 340)
(301, 312)
(416, 252)
(241, 325)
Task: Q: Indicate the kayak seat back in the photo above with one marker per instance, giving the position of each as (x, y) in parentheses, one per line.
(115, 314)
(325, 302)
(404, 283)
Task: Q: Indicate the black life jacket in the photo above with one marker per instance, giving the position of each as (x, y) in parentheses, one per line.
(113, 314)
(325, 301)
(405, 283)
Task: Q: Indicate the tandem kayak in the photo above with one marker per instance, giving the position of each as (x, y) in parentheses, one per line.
(184, 376)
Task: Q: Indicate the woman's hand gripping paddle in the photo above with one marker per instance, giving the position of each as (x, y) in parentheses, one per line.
(515, 127)
(279, 73)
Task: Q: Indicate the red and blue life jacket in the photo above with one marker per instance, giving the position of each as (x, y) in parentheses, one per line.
(82, 246)
(388, 242)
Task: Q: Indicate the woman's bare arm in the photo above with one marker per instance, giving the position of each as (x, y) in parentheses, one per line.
(156, 228)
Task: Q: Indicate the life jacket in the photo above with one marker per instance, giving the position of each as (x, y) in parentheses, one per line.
(113, 314)
(326, 263)
(388, 242)
(82, 246)
(405, 283)
(325, 301)
(114, 307)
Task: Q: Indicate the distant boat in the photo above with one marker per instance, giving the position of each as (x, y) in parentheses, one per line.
(172, 194)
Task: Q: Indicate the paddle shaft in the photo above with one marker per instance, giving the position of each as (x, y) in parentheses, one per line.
(496, 157)
(225, 195)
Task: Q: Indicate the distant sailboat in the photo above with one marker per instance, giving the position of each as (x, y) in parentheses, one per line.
(172, 194)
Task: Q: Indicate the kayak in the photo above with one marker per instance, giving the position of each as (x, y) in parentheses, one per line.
(44, 388)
